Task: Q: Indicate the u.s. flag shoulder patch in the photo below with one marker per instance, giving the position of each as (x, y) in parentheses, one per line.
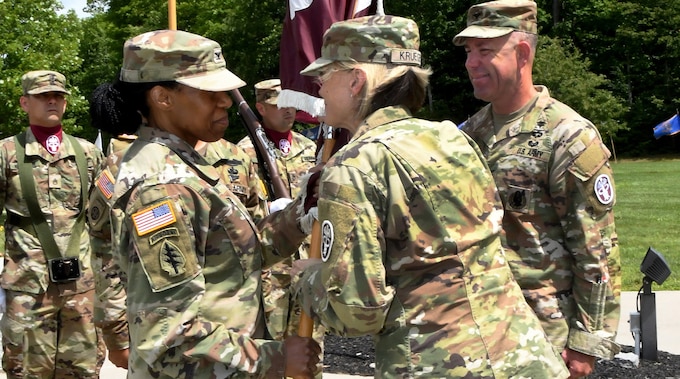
(153, 218)
(105, 184)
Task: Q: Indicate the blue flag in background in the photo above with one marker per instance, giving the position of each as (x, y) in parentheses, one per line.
(667, 128)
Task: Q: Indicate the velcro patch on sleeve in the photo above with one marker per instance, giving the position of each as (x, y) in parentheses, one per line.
(168, 257)
(337, 229)
(154, 218)
(589, 161)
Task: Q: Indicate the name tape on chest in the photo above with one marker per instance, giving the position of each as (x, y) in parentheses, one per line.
(153, 218)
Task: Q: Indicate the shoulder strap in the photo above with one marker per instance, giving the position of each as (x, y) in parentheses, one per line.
(42, 230)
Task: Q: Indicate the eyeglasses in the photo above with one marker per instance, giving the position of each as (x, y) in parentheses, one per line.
(325, 75)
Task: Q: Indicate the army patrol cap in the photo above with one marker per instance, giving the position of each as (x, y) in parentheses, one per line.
(35, 82)
(267, 91)
(498, 18)
(373, 39)
(175, 55)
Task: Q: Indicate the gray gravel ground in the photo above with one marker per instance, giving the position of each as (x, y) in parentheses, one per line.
(355, 356)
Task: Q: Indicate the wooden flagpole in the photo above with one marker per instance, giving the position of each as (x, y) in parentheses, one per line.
(306, 326)
(172, 15)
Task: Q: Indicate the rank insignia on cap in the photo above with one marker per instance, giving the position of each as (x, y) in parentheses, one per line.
(603, 189)
(154, 218)
(105, 184)
(217, 54)
(326, 240)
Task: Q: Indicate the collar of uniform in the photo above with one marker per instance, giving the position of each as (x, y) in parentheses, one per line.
(381, 117)
(530, 118)
(180, 147)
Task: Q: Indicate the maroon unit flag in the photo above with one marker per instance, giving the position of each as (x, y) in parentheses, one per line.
(301, 40)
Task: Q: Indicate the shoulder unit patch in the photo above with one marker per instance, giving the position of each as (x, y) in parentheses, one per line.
(326, 240)
(603, 189)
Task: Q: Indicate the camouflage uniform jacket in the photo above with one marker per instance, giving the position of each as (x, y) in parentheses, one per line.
(410, 220)
(276, 279)
(59, 195)
(235, 169)
(553, 174)
(190, 260)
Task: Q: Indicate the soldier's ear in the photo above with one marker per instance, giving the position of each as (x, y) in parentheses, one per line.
(160, 97)
(358, 81)
(260, 108)
(523, 53)
(23, 101)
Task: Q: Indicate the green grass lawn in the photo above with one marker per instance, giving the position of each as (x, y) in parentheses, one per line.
(648, 214)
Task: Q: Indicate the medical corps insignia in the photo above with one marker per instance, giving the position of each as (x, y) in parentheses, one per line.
(603, 189)
(284, 146)
(52, 144)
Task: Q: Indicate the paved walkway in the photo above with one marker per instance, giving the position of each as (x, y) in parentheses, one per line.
(667, 325)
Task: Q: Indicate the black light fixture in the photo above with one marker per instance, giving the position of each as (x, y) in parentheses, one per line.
(656, 269)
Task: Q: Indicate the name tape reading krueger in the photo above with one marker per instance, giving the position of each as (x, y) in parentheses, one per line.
(405, 56)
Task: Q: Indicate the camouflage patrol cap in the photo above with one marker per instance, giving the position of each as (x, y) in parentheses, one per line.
(175, 55)
(267, 91)
(35, 82)
(373, 39)
(498, 18)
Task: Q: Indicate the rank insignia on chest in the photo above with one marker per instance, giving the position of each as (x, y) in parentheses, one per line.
(153, 218)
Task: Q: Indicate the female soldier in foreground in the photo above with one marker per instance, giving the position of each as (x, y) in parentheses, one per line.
(190, 254)
(410, 220)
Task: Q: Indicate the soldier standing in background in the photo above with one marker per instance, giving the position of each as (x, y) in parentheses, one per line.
(554, 177)
(295, 155)
(48, 329)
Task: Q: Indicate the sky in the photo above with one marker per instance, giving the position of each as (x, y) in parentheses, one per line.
(76, 5)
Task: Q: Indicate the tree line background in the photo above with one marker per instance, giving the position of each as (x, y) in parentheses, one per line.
(613, 61)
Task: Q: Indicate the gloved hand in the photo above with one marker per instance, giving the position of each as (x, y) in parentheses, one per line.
(307, 209)
(312, 189)
(2, 300)
(279, 204)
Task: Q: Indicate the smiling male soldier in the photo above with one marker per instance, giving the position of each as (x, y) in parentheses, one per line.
(553, 174)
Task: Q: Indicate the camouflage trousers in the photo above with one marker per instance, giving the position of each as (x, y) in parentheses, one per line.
(51, 336)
